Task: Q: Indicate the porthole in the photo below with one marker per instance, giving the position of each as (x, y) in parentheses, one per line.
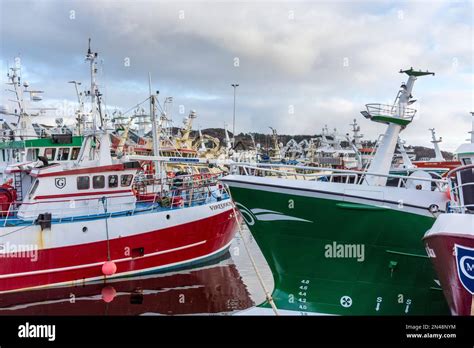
(84, 229)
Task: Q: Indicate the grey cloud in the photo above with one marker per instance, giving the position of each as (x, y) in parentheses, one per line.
(284, 62)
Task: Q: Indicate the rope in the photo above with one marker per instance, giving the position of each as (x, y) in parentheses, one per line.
(252, 260)
(104, 200)
(22, 228)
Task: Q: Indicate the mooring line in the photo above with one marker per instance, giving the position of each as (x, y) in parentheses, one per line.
(254, 265)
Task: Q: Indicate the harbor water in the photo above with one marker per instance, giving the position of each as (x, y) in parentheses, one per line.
(226, 285)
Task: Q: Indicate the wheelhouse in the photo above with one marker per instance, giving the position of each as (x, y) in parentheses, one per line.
(83, 191)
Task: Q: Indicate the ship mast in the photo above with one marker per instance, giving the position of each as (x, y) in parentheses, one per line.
(89, 151)
(15, 82)
(356, 135)
(94, 91)
(465, 152)
(472, 130)
(407, 163)
(397, 117)
(80, 118)
(156, 133)
(24, 126)
(438, 155)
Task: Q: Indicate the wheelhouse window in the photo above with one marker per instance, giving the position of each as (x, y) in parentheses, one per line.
(75, 153)
(50, 153)
(113, 181)
(126, 180)
(83, 182)
(32, 154)
(63, 154)
(98, 181)
(467, 161)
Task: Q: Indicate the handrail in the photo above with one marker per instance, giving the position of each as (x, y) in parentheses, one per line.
(345, 175)
(193, 193)
(456, 194)
(307, 168)
(377, 109)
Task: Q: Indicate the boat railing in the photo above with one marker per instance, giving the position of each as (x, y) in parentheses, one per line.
(376, 110)
(287, 174)
(169, 197)
(329, 174)
(461, 184)
(148, 182)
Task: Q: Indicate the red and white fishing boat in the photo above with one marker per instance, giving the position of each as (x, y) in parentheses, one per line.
(450, 243)
(437, 163)
(437, 166)
(87, 221)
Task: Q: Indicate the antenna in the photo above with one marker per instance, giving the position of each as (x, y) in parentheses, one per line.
(94, 91)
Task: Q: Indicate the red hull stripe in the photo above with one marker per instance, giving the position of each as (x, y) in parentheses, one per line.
(82, 194)
(111, 168)
(88, 275)
(160, 248)
(444, 164)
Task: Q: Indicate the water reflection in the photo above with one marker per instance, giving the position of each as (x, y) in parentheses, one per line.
(225, 285)
(215, 288)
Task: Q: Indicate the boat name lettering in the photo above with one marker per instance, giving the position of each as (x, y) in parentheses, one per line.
(220, 206)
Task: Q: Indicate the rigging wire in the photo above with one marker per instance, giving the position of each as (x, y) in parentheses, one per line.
(252, 260)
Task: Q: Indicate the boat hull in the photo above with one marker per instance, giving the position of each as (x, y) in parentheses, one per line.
(437, 164)
(450, 232)
(299, 231)
(74, 252)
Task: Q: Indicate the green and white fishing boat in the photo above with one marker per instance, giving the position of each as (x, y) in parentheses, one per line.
(347, 242)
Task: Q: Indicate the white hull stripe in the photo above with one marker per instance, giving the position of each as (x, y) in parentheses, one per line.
(71, 233)
(260, 311)
(121, 275)
(298, 191)
(53, 270)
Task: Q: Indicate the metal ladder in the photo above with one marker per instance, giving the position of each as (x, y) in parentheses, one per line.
(18, 186)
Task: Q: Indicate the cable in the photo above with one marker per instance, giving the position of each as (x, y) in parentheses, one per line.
(254, 265)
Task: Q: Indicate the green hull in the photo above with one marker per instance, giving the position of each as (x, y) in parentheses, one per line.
(395, 277)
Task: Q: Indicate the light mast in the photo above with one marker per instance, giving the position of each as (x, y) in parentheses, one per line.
(397, 117)
(438, 155)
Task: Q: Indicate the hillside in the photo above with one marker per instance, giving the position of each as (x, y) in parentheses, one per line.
(266, 141)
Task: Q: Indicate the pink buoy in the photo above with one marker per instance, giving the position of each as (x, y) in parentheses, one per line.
(108, 294)
(109, 268)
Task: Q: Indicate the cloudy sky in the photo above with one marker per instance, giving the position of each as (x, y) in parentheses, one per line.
(300, 65)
